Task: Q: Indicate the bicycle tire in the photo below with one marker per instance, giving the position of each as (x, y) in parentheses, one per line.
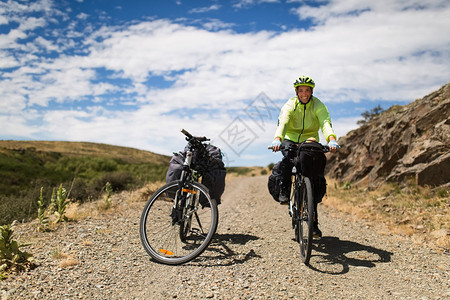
(305, 202)
(162, 237)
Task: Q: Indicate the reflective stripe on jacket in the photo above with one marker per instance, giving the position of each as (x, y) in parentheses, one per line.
(306, 119)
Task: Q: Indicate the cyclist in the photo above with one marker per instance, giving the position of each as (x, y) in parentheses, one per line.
(300, 119)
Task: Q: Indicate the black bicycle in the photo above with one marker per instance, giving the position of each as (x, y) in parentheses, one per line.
(180, 218)
(301, 200)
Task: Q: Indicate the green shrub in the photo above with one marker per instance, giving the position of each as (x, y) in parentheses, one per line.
(80, 191)
(43, 219)
(53, 203)
(107, 198)
(118, 181)
(11, 257)
(368, 115)
(25, 171)
(239, 170)
(61, 203)
(442, 193)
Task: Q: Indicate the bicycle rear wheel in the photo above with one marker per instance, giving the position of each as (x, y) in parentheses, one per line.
(305, 202)
(172, 236)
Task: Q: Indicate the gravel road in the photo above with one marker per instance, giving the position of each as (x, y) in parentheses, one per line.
(252, 256)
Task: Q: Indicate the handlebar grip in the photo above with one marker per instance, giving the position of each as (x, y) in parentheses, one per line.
(197, 138)
(186, 133)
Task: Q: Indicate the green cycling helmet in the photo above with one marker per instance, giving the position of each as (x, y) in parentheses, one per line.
(305, 81)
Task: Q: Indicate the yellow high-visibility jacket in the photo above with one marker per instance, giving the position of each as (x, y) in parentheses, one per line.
(298, 122)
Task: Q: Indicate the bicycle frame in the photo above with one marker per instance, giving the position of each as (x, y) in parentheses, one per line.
(301, 203)
(180, 218)
(186, 203)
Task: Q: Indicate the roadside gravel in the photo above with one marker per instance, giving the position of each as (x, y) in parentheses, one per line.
(252, 256)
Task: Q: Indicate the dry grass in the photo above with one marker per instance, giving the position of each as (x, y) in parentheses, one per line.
(76, 211)
(119, 202)
(66, 260)
(419, 212)
(145, 192)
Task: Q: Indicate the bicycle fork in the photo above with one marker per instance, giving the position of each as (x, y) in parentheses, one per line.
(181, 199)
(293, 190)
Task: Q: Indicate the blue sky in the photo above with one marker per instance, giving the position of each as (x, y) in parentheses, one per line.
(133, 73)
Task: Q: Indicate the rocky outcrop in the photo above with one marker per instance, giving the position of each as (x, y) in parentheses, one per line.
(404, 142)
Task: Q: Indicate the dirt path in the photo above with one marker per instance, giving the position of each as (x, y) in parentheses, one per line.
(252, 256)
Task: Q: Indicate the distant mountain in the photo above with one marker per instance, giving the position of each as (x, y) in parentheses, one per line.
(404, 142)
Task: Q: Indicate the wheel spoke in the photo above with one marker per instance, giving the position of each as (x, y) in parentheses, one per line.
(304, 201)
(177, 235)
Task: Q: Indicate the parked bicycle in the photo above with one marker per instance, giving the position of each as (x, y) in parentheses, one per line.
(301, 200)
(180, 218)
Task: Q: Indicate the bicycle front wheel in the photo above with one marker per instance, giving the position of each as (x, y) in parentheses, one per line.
(305, 203)
(178, 222)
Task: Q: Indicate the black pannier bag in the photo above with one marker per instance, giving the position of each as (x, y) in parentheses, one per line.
(311, 162)
(213, 176)
(175, 166)
(211, 169)
(274, 183)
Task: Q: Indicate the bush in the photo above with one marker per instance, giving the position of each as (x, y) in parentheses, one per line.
(239, 170)
(11, 257)
(80, 191)
(368, 115)
(21, 206)
(25, 171)
(119, 181)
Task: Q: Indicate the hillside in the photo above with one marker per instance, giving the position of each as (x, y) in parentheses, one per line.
(126, 154)
(405, 144)
(82, 168)
(395, 170)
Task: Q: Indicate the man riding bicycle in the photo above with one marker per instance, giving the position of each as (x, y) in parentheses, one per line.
(300, 119)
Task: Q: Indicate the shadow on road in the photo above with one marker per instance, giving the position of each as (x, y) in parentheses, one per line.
(334, 256)
(220, 251)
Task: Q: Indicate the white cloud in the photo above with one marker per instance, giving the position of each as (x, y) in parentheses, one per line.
(358, 50)
(205, 9)
(247, 3)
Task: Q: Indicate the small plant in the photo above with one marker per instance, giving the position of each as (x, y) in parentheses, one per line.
(11, 257)
(442, 193)
(370, 114)
(109, 190)
(43, 219)
(61, 203)
(347, 185)
(53, 204)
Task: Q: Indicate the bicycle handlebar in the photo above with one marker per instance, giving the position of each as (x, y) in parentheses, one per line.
(294, 147)
(186, 133)
(191, 137)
